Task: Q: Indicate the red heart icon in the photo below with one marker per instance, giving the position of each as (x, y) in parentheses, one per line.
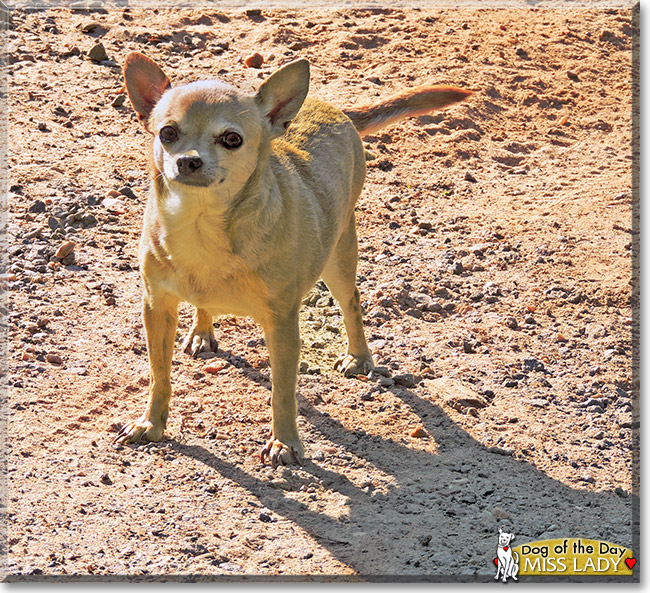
(496, 561)
(630, 562)
(505, 548)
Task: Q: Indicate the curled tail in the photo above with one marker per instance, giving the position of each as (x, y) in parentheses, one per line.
(417, 101)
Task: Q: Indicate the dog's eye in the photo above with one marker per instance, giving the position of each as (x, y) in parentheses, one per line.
(168, 134)
(231, 140)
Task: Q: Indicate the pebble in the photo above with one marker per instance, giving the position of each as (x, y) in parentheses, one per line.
(501, 450)
(500, 513)
(469, 177)
(97, 52)
(128, 192)
(214, 367)
(405, 379)
(511, 323)
(54, 359)
(105, 479)
(37, 206)
(254, 61)
(65, 249)
(118, 101)
(419, 433)
(532, 364)
(114, 205)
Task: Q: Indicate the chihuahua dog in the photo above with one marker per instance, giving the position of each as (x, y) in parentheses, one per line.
(252, 202)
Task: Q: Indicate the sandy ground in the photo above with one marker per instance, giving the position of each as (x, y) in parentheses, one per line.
(496, 242)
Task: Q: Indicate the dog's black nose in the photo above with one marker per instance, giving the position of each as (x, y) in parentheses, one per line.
(188, 164)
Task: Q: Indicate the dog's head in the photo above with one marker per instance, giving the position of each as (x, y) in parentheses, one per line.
(208, 134)
(505, 538)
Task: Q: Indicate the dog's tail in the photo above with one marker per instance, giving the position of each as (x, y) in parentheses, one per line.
(417, 101)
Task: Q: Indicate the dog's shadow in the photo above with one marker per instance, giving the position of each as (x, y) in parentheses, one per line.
(435, 516)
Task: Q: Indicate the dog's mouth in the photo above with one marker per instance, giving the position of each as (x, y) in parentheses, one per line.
(194, 181)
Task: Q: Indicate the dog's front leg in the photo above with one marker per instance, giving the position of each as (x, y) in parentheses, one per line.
(283, 341)
(160, 316)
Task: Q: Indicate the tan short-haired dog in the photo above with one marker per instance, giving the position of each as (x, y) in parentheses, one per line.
(252, 202)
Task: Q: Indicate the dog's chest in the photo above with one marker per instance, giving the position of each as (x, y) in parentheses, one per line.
(203, 269)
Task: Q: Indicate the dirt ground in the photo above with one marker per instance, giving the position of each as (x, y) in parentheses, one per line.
(496, 241)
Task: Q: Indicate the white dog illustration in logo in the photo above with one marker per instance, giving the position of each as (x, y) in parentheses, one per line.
(507, 561)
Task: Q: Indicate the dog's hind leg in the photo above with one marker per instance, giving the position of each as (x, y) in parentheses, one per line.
(201, 337)
(340, 276)
(282, 336)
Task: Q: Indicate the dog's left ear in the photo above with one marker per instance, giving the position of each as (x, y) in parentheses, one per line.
(282, 95)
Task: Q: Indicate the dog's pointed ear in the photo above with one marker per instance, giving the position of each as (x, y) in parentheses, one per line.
(282, 95)
(145, 84)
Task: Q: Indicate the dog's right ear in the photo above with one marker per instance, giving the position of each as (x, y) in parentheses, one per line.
(145, 84)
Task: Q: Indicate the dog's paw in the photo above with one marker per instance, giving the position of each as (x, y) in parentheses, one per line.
(195, 343)
(279, 453)
(350, 365)
(138, 431)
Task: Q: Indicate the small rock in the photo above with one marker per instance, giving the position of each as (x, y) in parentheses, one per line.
(254, 61)
(419, 433)
(532, 364)
(114, 205)
(468, 347)
(457, 268)
(42, 127)
(128, 192)
(37, 206)
(511, 323)
(296, 45)
(89, 27)
(538, 402)
(265, 518)
(54, 359)
(501, 451)
(65, 249)
(214, 367)
(53, 223)
(521, 52)
(88, 220)
(318, 456)
(386, 382)
(405, 379)
(469, 177)
(97, 53)
(302, 369)
(500, 513)
(118, 101)
(105, 479)
(314, 370)
(606, 35)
